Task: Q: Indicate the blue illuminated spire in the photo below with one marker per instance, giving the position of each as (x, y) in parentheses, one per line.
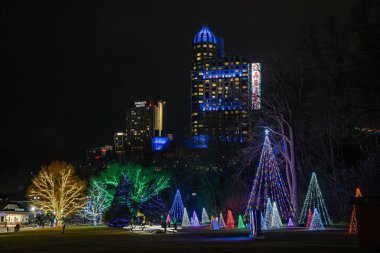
(204, 36)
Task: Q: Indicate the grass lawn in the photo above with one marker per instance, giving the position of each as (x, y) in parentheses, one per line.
(103, 239)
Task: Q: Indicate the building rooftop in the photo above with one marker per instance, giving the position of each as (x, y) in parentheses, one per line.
(204, 36)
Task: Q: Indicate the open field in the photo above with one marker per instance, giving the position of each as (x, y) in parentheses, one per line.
(103, 239)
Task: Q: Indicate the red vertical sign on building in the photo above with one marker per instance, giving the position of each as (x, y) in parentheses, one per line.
(256, 86)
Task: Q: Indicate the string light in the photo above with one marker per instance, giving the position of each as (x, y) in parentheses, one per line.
(240, 222)
(194, 220)
(314, 199)
(222, 224)
(205, 218)
(276, 219)
(268, 183)
(353, 228)
(176, 211)
(316, 222)
(268, 215)
(230, 220)
(185, 218)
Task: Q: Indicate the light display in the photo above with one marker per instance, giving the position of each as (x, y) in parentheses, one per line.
(146, 183)
(268, 183)
(176, 211)
(185, 218)
(211, 220)
(309, 216)
(205, 218)
(222, 224)
(240, 222)
(263, 222)
(353, 228)
(121, 210)
(316, 222)
(268, 215)
(194, 220)
(290, 222)
(58, 189)
(159, 143)
(276, 219)
(204, 36)
(95, 207)
(215, 224)
(368, 130)
(168, 218)
(199, 142)
(256, 86)
(230, 220)
(314, 199)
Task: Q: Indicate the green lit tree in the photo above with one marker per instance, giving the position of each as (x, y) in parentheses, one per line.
(146, 183)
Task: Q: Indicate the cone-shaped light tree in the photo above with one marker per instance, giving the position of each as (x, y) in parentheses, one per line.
(205, 218)
(268, 183)
(222, 224)
(353, 228)
(276, 219)
(176, 211)
(240, 222)
(230, 220)
(316, 222)
(268, 215)
(309, 216)
(185, 218)
(195, 220)
(56, 189)
(122, 209)
(314, 199)
(290, 222)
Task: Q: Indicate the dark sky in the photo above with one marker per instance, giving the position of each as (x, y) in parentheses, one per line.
(69, 71)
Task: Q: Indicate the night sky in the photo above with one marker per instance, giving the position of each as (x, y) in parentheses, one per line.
(68, 72)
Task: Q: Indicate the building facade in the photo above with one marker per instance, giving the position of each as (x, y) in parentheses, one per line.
(223, 90)
(144, 121)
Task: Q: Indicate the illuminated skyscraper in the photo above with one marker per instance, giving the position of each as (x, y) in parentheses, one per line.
(144, 121)
(224, 89)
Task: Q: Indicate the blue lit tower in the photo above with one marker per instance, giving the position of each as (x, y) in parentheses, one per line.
(221, 90)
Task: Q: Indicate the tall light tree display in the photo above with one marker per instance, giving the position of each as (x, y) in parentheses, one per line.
(95, 207)
(268, 183)
(276, 219)
(314, 199)
(353, 228)
(57, 190)
(176, 211)
(205, 218)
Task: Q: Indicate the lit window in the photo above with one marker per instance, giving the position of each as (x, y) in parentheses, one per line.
(200, 101)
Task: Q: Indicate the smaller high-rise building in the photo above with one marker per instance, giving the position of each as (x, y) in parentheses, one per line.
(144, 121)
(120, 139)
